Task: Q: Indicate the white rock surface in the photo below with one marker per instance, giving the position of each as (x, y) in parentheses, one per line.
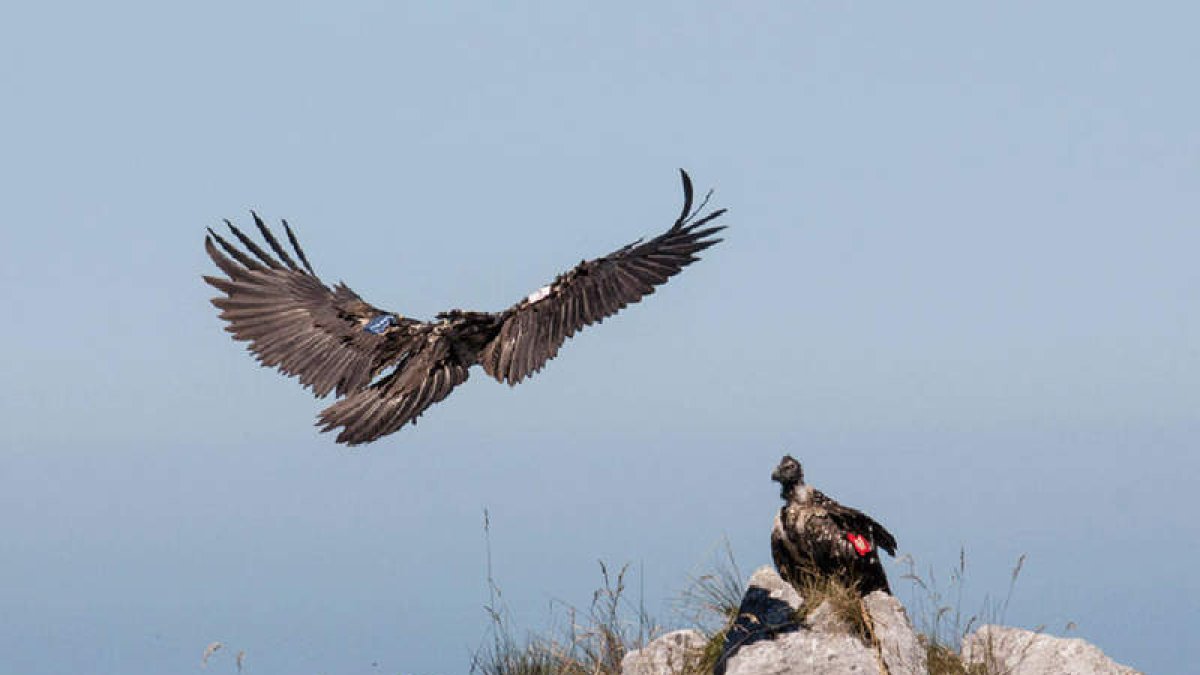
(824, 619)
(1016, 651)
(804, 652)
(671, 654)
(898, 643)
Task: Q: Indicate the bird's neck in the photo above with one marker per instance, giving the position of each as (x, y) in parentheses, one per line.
(797, 493)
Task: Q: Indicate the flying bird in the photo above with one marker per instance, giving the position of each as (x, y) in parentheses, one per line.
(814, 536)
(386, 369)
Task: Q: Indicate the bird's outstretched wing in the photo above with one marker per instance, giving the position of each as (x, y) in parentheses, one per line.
(535, 328)
(327, 337)
(426, 375)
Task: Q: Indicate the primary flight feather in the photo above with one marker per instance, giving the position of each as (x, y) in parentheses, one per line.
(334, 341)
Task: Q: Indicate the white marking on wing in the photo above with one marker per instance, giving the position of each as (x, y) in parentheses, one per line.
(537, 295)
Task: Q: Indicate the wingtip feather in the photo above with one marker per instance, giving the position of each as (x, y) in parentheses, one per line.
(688, 194)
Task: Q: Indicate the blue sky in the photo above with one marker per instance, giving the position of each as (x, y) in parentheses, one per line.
(959, 283)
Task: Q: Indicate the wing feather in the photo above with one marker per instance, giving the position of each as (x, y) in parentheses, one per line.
(422, 379)
(293, 321)
(533, 330)
(852, 520)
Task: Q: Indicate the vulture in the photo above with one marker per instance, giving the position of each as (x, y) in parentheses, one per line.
(385, 369)
(816, 537)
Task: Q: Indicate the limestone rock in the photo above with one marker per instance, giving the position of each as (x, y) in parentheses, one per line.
(1016, 651)
(767, 639)
(894, 634)
(825, 619)
(804, 652)
(768, 609)
(671, 654)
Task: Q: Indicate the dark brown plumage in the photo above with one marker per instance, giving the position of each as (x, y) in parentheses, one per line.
(814, 536)
(334, 341)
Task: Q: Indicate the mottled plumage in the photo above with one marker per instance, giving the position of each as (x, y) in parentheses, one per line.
(334, 341)
(816, 536)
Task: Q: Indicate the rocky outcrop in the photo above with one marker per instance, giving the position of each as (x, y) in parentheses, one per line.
(769, 637)
(1015, 651)
(895, 639)
(768, 610)
(804, 652)
(675, 653)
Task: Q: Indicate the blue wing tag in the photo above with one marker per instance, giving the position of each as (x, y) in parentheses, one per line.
(379, 324)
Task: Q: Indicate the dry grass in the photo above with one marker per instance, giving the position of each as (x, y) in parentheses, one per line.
(711, 600)
(710, 604)
(942, 660)
(593, 642)
(212, 648)
(942, 624)
(844, 600)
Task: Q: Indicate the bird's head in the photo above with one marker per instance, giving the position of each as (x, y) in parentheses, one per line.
(788, 474)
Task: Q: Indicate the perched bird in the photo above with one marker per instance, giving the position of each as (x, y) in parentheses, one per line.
(814, 536)
(334, 341)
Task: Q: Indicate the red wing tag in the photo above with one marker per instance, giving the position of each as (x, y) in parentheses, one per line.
(860, 543)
